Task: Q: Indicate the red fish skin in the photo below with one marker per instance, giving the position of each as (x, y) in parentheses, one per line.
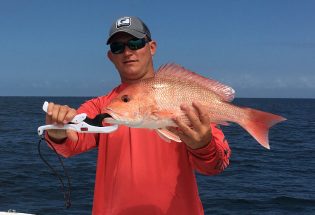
(158, 99)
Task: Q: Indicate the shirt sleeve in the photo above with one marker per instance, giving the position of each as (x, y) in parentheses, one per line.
(86, 141)
(212, 158)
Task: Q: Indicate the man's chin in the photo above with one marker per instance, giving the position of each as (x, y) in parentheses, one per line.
(131, 71)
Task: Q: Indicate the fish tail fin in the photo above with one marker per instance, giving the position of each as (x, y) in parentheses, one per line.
(258, 123)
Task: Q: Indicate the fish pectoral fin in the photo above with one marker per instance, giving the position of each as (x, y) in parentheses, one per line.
(167, 135)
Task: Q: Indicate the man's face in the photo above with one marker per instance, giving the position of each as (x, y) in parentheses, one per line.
(132, 65)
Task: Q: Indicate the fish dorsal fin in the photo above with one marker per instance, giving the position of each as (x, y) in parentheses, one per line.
(177, 72)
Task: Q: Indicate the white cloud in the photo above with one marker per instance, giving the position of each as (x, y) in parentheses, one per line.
(248, 81)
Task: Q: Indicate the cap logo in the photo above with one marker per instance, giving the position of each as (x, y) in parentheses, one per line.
(125, 21)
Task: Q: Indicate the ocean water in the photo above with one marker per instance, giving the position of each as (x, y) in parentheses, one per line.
(257, 181)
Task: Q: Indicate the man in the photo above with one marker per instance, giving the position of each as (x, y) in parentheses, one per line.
(137, 171)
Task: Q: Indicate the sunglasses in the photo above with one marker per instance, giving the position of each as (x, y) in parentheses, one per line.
(133, 44)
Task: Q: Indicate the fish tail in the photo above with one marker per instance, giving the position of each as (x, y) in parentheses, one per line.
(258, 123)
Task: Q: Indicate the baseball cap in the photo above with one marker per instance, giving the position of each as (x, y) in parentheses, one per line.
(131, 25)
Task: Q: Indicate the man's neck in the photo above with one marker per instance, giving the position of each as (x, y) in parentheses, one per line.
(149, 74)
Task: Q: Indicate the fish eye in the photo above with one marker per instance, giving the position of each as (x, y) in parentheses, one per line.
(125, 98)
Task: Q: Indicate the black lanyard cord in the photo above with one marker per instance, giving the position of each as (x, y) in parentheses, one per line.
(65, 190)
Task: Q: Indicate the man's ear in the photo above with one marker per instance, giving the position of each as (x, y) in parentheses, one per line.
(110, 55)
(152, 47)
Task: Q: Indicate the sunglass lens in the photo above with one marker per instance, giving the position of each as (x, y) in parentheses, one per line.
(135, 44)
(117, 48)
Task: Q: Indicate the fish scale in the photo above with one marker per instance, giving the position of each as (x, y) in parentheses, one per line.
(175, 88)
(154, 102)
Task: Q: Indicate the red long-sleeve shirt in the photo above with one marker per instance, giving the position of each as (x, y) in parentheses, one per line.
(140, 173)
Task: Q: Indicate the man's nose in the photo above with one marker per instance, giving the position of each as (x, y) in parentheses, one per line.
(127, 51)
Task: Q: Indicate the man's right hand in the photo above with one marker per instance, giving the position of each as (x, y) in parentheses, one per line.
(60, 115)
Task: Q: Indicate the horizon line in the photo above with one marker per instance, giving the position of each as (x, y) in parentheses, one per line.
(68, 96)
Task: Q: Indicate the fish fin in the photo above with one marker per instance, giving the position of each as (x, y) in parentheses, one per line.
(174, 71)
(168, 135)
(258, 123)
(163, 137)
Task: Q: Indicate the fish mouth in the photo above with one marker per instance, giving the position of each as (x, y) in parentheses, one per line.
(111, 117)
(115, 118)
(106, 115)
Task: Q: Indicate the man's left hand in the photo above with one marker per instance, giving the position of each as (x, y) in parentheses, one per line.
(197, 133)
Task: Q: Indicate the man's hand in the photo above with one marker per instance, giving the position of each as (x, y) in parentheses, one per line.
(60, 115)
(199, 134)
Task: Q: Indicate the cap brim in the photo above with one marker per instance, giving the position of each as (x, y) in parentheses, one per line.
(132, 32)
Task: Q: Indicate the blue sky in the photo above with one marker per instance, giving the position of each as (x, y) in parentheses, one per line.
(262, 48)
